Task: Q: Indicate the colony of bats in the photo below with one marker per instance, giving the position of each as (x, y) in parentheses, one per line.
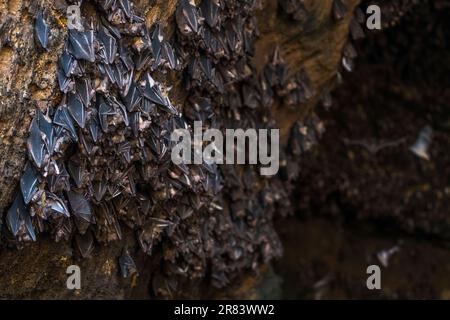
(99, 161)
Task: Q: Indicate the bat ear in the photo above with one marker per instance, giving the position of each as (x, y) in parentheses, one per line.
(421, 147)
